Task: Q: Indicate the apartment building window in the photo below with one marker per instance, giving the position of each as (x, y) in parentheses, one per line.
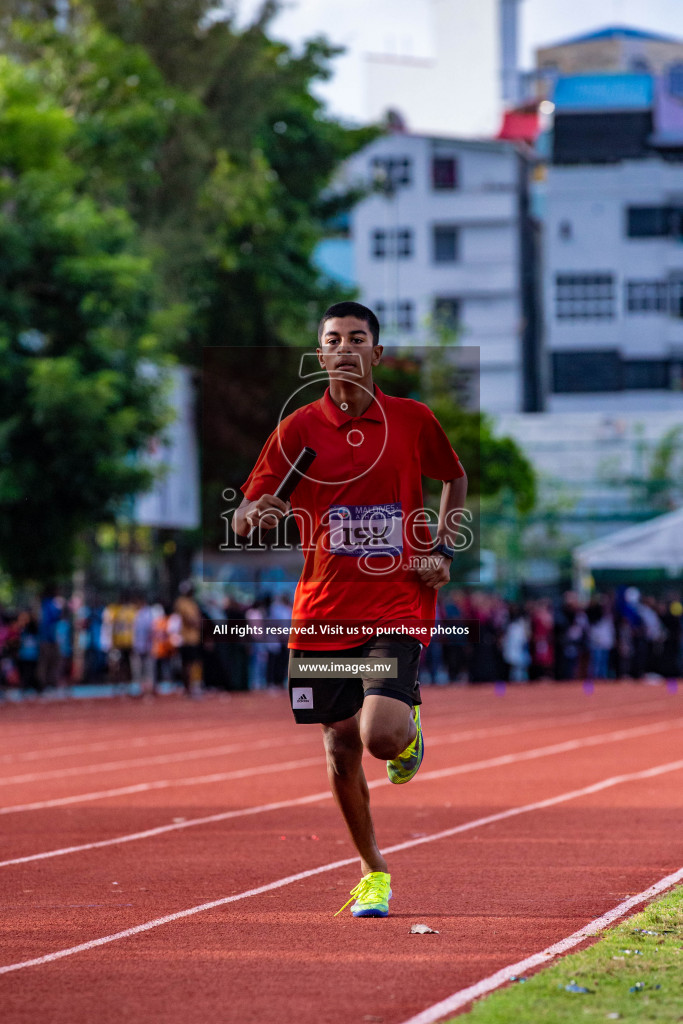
(379, 244)
(445, 244)
(386, 244)
(447, 312)
(393, 171)
(404, 316)
(404, 242)
(646, 374)
(654, 222)
(578, 371)
(444, 172)
(646, 296)
(584, 296)
(400, 315)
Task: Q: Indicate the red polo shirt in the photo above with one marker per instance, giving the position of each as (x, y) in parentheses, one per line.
(359, 510)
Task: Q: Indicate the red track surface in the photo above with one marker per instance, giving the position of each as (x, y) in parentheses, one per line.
(495, 891)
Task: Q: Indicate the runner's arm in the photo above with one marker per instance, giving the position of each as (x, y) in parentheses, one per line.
(267, 509)
(453, 496)
(438, 572)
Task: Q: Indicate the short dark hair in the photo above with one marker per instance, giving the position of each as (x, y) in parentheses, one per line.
(351, 309)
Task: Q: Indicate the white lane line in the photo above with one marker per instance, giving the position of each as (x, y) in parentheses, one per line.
(494, 981)
(138, 762)
(300, 876)
(161, 829)
(178, 758)
(146, 787)
(527, 724)
(453, 737)
(326, 794)
(493, 762)
(556, 748)
(95, 748)
(163, 759)
(72, 727)
(61, 731)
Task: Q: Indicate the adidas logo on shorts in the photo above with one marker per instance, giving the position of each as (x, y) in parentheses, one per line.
(302, 697)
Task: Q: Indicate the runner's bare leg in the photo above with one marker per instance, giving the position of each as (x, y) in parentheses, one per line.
(386, 727)
(344, 752)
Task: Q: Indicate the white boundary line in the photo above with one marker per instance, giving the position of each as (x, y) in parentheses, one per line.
(138, 762)
(494, 981)
(56, 731)
(101, 745)
(73, 726)
(524, 724)
(438, 773)
(144, 787)
(290, 879)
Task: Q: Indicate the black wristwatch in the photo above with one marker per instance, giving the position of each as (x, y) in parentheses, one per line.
(443, 549)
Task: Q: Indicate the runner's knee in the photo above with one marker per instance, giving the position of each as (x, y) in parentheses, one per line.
(343, 750)
(383, 744)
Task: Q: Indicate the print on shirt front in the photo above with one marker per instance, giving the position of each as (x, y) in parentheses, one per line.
(366, 530)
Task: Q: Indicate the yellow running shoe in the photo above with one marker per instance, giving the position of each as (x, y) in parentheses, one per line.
(372, 894)
(404, 767)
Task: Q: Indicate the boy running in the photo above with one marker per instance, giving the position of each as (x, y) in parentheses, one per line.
(359, 515)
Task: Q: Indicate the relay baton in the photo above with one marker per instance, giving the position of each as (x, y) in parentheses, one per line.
(297, 470)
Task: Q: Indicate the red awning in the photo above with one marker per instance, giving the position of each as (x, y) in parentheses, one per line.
(520, 126)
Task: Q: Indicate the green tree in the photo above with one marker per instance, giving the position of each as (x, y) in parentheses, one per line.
(79, 361)
(177, 203)
(662, 487)
(214, 139)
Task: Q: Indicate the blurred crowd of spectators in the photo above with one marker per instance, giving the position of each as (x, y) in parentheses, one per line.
(133, 640)
(621, 635)
(149, 643)
(60, 642)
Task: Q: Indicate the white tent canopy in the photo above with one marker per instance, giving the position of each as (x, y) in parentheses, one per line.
(655, 544)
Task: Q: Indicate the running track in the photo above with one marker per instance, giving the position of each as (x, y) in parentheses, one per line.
(181, 862)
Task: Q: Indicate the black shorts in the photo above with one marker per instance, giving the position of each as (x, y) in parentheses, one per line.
(324, 698)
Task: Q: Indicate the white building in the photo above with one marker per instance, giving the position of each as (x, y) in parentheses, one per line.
(613, 301)
(474, 55)
(441, 249)
(612, 251)
(614, 287)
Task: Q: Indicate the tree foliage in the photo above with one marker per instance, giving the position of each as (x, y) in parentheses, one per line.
(163, 184)
(76, 395)
(662, 486)
(212, 137)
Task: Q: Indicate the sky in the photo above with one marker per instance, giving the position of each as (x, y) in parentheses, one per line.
(404, 27)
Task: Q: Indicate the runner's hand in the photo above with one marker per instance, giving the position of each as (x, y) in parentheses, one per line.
(436, 572)
(267, 511)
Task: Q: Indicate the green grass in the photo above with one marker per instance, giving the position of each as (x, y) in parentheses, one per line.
(632, 977)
